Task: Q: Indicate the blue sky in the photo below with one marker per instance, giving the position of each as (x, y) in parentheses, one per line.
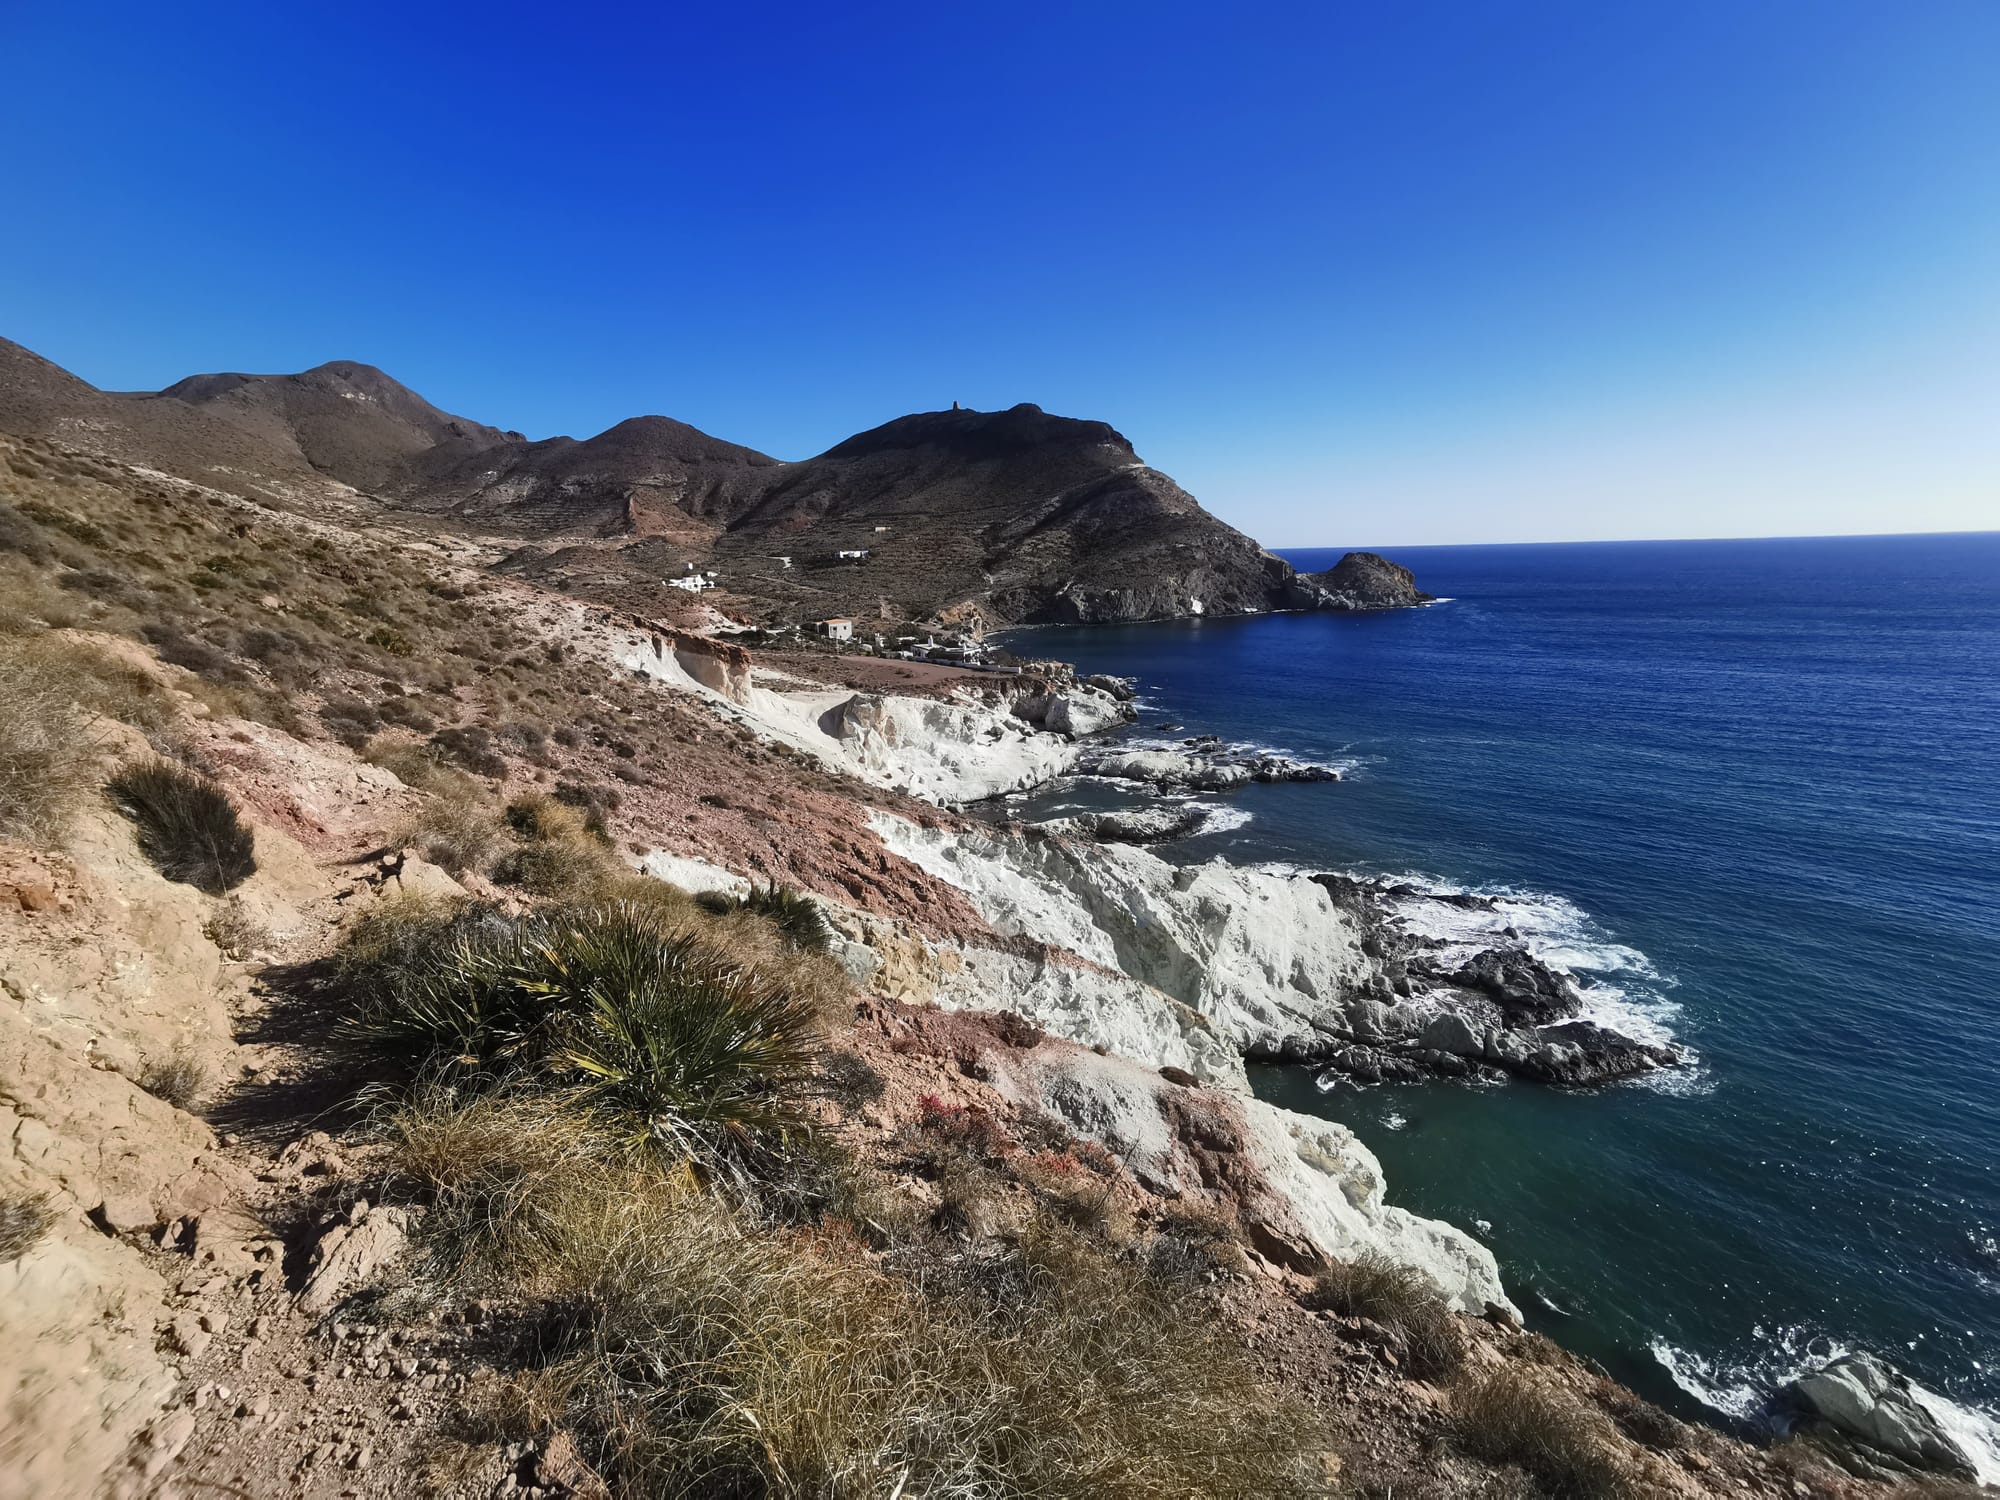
(1376, 273)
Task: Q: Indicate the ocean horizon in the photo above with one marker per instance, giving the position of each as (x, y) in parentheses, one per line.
(1748, 793)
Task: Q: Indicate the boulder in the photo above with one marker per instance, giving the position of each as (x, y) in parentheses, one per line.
(351, 1252)
(1528, 991)
(1365, 580)
(1450, 1032)
(1867, 1399)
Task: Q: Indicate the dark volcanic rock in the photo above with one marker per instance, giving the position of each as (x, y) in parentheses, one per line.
(1366, 580)
(1527, 991)
(1146, 825)
(1579, 1053)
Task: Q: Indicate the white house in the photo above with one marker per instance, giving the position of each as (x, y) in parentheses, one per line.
(837, 630)
(857, 553)
(693, 583)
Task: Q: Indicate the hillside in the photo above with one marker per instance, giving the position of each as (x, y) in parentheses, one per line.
(1028, 516)
(1009, 517)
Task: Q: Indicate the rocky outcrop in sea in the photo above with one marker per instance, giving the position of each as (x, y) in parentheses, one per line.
(1364, 580)
(1203, 763)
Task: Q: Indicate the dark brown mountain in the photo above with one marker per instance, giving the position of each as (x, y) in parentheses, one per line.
(1028, 516)
(1015, 516)
(641, 477)
(347, 421)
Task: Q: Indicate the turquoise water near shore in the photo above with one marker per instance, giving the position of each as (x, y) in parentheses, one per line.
(1750, 793)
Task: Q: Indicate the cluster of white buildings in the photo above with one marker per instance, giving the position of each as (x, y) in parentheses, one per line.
(693, 582)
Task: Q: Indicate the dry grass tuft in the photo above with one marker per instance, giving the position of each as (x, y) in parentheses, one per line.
(49, 688)
(42, 773)
(556, 854)
(98, 681)
(1523, 1416)
(234, 931)
(187, 826)
(699, 1354)
(25, 1218)
(1403, 1300)
(179, 1078)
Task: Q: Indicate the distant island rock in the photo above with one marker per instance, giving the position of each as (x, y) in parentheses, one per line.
(1366, 580)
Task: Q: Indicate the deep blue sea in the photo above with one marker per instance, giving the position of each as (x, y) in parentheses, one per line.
(1750, 792)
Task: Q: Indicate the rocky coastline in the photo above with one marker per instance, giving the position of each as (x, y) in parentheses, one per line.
(212, 1259)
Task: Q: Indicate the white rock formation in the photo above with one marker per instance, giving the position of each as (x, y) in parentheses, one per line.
(1304, 1185)
(695, 876)
(1169, 768)
(1335, 1184)
(946, 750)
(1258, 956)
(1095, 1006)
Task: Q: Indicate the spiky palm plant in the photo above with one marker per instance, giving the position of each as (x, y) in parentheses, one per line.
(797, 919)
(664, 1036)
(668, 1038)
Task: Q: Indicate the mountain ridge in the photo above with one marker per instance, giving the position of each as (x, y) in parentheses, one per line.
(1007, 517)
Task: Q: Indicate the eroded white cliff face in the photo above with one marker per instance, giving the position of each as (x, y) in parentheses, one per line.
(1181, 968)
(1095, 1006)
(1335, 1185)
(1257, 956)
(1304, 1187)
(945, 750)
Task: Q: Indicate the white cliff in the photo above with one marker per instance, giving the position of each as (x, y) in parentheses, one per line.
(1153, 965)
(947, 750)
(1259, 957)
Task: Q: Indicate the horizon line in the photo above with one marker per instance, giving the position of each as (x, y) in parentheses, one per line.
(1638, 541)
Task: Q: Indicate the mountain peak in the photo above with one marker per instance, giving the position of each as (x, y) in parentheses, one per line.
(986, 434)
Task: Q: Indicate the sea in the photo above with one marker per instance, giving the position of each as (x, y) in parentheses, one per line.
(1748, 793)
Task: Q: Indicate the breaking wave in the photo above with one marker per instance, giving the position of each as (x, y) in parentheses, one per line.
(1622, 989)
(1743, 1388)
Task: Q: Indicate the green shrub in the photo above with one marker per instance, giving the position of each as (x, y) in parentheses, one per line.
(187, 826)
(655, 1030)
(1403, 1300)
(789, 911)
(667, 1034)
(24, 1219)
(471, 746)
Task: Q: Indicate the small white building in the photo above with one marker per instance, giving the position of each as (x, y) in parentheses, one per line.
(881, 528)
(837, 630)
(856, 554)
(692, 583)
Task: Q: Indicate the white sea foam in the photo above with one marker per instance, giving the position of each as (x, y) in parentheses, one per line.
(1393, 1121)
(1622, 990)
(1975, 1432)
(1224, 819)
(1741, 1388)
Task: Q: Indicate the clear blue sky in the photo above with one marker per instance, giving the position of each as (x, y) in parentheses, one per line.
(1353, 273)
